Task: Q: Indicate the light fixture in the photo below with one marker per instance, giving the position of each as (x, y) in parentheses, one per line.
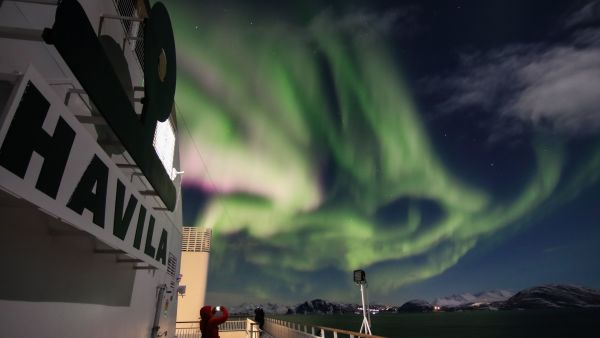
(359, 277)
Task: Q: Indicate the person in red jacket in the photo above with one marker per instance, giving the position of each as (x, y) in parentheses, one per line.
(209, 323)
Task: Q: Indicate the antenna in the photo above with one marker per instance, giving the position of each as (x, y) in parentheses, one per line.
(361, 280)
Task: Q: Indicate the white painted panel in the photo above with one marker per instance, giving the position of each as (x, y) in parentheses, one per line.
(83, 150)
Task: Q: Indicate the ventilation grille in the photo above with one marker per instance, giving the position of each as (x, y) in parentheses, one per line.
(171, 265)
(196, 239)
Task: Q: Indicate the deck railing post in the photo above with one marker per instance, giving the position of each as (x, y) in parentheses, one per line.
(287, 329)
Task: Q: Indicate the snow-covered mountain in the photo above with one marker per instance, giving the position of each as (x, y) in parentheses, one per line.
(539, 297)
(554, 296)
(317, 306)
(269, 308)
(485, 297)
(416, 305)
(323, 306)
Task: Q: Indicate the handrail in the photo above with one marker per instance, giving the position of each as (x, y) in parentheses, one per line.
(290, 329)
(191, 329)
(132, 31)
(252, 330)
(350, 333)
(234, 325)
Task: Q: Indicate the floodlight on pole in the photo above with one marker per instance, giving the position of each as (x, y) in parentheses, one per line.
(361, 279)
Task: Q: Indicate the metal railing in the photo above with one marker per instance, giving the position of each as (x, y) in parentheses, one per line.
(132, 21)
(283, 329)
(233, 325)
(273, 327)
(187, 329)
(187, 332)
(242, 325)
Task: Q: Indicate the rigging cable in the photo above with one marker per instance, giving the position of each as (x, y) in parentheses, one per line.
(214, 186)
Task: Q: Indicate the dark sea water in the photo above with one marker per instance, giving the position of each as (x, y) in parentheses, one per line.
(480, 324)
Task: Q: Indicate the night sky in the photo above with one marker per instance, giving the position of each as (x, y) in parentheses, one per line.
(441, 146)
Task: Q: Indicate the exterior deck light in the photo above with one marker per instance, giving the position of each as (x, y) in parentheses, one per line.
(359, 277)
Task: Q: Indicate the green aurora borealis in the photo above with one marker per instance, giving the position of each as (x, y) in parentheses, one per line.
(306, 133)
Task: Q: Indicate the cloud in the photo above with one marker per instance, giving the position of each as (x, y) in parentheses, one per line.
(561, 88)
(549, 86)
(369, 23)
(587, 15)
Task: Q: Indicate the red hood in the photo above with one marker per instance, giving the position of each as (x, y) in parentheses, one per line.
(206, 312)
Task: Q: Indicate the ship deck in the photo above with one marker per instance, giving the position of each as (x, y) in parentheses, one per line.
(273, 328)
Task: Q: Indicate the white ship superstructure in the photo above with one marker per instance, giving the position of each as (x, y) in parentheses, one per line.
(194, 272)
(90, 198)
